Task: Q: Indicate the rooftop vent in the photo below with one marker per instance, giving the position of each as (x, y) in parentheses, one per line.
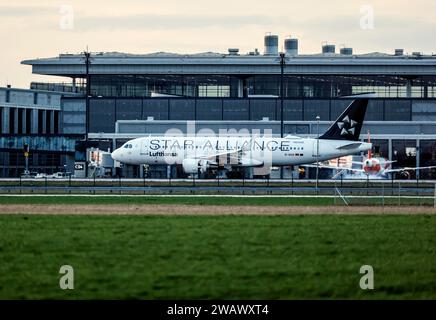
(328, 48)
(291, 46)
(271, 44)
(346, 51)
(233, 51)
(399, 52)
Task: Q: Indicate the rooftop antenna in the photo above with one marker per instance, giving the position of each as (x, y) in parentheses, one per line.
(87, 61)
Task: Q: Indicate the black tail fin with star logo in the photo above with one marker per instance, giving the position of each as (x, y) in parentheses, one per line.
(349, 123)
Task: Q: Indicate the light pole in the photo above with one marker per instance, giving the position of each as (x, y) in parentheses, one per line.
(282, 124)
(282, 71)
(87, 55)
(88, 91)
(317, 151)
(26, 150)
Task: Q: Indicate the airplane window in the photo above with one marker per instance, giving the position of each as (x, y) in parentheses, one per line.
(126, 146)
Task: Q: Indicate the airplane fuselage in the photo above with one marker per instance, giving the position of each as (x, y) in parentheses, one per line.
(375, 166)
(238, 151)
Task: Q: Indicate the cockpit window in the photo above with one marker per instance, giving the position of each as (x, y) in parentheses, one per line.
(128, 146)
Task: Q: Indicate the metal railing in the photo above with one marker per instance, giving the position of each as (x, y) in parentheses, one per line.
(348, 192)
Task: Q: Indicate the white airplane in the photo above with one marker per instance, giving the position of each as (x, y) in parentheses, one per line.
(200, 154)
(374, 166)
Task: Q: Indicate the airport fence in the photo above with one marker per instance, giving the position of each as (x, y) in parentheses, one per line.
(343, 192)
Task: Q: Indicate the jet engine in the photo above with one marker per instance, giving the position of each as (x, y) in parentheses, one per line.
(192, 166)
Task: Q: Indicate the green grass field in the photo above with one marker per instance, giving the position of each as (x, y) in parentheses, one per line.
(205, 200)
(223, 257)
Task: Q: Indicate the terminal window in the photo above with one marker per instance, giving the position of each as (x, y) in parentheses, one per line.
(214, 91)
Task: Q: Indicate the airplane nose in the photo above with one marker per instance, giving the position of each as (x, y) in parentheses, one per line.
(116, 154)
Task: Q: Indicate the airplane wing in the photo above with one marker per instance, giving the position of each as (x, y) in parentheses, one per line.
(362, 163)
(221, 154)
(357, 162)
(323, 166)
(232, 158)
(408, 169)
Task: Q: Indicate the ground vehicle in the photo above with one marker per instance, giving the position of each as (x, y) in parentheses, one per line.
(56, 175)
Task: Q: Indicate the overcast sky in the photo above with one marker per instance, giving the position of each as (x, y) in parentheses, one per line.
(45, 28)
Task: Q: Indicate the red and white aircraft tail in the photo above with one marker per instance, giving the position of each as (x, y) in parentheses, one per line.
(371, 166)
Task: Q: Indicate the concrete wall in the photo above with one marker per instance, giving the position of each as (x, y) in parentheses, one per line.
(20, 101)
(2, 95)
(24, 97)
(21, 97)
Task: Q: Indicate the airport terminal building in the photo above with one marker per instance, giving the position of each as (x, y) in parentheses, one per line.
(114, 97)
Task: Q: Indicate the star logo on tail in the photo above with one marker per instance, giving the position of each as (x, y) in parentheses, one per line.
(347, 126)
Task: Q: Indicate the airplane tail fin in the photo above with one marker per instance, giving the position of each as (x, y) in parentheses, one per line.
(349, 123)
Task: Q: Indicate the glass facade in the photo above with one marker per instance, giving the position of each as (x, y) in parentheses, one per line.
(104, 112)
(295, 86)
(254, 98)
(12, 163)
(427, 153)
(380, 148)
(404, 154)
(103, 115)
(179, 85)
